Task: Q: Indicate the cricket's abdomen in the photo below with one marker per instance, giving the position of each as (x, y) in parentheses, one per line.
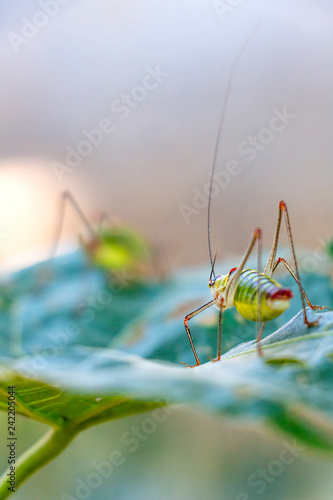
(274, 299)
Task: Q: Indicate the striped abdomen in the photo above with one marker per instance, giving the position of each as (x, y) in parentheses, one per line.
(273, 298)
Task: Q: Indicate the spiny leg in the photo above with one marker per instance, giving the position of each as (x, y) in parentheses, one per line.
(271, 259)
(67, 196)
(187, 328)
(287, 266)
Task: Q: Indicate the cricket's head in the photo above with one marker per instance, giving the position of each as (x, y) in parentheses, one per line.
(218, 284)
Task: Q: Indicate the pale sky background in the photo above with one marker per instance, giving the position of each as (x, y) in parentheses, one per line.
(65, 77)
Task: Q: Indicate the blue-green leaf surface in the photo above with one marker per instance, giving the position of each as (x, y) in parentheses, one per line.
(76, 349)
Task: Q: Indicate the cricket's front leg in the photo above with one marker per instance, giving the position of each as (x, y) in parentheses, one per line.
(187, 328)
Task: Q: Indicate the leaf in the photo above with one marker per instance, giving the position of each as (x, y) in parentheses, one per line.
(85, 385)
(329, 248)
(74, 346)
(66, 302)
(67, 313)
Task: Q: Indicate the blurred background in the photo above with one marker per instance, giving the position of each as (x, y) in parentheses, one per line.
(119, 102)
(70, 68)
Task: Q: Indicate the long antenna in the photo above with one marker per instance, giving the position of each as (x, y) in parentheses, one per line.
(217, 145)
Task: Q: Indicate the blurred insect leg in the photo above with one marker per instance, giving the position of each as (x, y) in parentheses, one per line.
(103, 218)
(109, 221)
(258, 340)
(234, 280)
(187, 328)
(271, 259)
(259, 326)
(287, 266)
(68, 197)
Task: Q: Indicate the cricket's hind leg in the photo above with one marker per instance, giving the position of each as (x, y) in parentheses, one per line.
(306, 298)
(272, 263)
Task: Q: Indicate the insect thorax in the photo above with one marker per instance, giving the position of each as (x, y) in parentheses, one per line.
(218, 286)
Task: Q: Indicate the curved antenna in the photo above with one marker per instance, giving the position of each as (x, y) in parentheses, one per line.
(217, 145)
(213, 265)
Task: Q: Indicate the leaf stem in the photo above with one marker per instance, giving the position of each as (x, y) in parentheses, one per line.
(42, 452)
